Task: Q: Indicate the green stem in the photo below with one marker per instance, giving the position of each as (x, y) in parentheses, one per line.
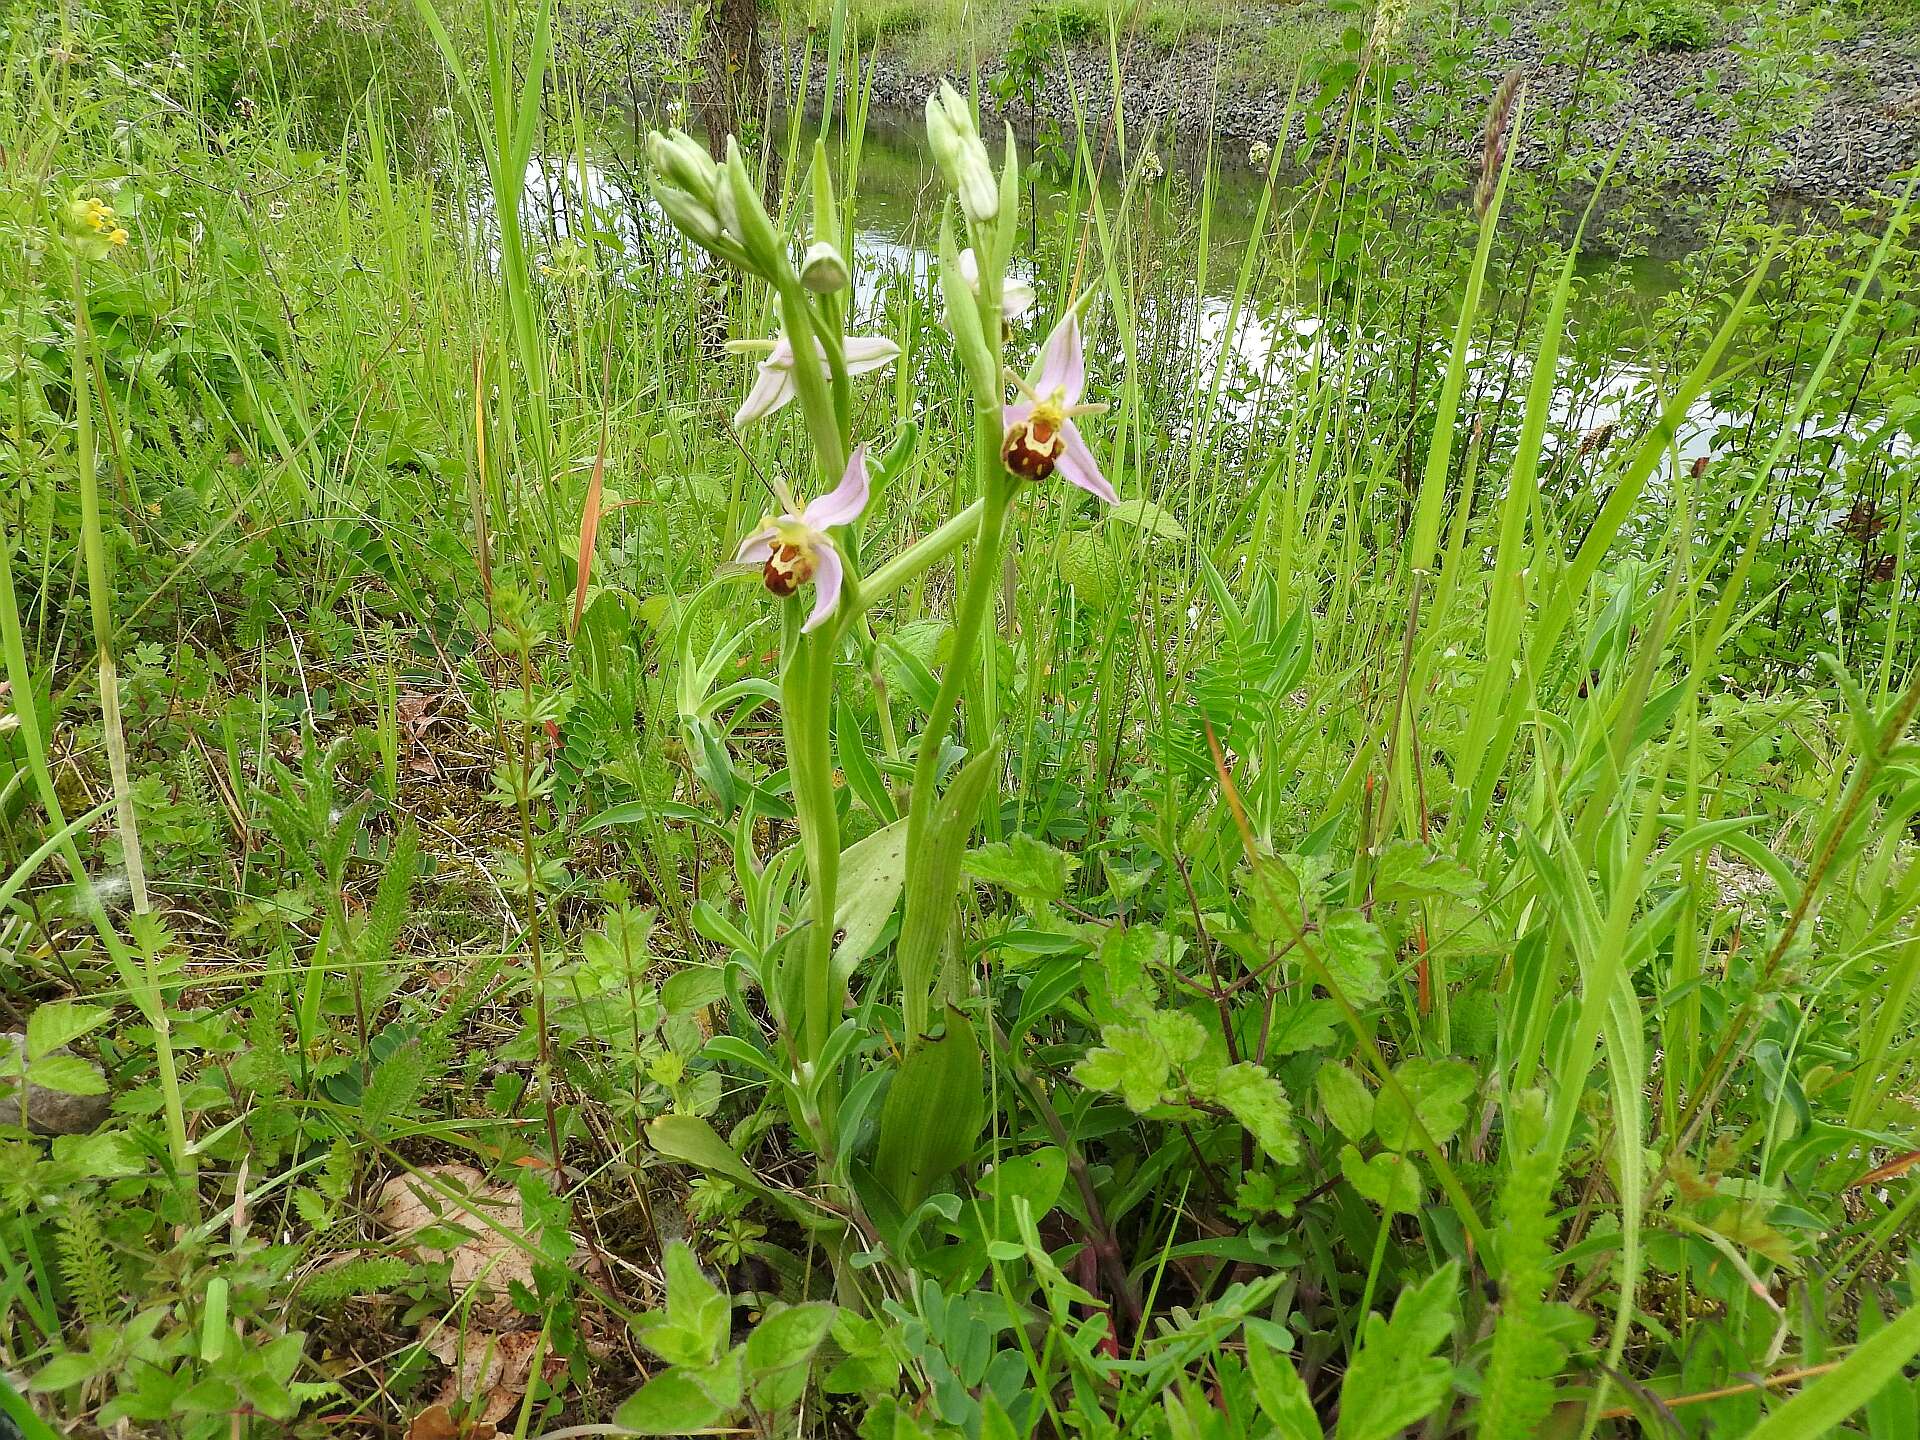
(806, 704)
(975, 603)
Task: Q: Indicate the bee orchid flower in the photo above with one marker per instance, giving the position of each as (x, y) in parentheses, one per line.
(774, 386)
(794, 547)
(1041, 438)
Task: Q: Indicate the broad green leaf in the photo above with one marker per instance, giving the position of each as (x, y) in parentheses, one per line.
(932, 1115)
(1087, 564)
(1029, 868)
(1346, 1099)
(682, 1400)
(779, 1349)
(933, 885)
(64, 1370)
(1154, 520)
(693, 1331)
(1395, 1380)
(1390, 1181)
(60, 1023)
(1438, 1091)
(872, 872)
(692, 1141)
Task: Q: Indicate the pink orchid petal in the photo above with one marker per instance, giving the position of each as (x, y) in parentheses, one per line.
(1063, 363)
(772, 388)
(842, 505)
(826, 586)
(1015, 414)
(756, 549)
(1077, 466)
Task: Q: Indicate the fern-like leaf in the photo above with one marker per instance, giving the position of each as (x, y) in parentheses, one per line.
(93, 1280)
(1518, 1389)
(371, 1276)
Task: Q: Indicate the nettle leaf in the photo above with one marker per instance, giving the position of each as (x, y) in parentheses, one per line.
(1395, 1380)
(1346, 1099)
(1438, 1091)
(1356, 956)
(1408, 872)
(1137, 1062)
(1390, 1181)
(1257, 1101)
(61, 1023)
(1032, 869)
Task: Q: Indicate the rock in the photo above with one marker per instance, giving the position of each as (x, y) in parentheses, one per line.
(49, 1112)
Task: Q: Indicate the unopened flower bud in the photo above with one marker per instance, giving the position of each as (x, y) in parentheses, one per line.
(823, 270)
(697, 221)
(744, 216)
(961, 155)
(687, 184)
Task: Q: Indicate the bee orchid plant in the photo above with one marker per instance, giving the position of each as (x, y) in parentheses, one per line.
(806, 554)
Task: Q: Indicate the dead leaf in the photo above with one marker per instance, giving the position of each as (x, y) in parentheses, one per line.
(488, 1372)
(436, 1422)
(488, 1261)
(1892, 1170)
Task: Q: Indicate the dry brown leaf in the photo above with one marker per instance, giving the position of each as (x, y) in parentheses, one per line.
(491, 1368)
(436, 1422)
(487, 1262)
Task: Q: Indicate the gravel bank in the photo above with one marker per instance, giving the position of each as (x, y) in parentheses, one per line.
(1865, 129)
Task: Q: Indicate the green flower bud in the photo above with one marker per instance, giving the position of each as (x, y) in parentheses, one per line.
(745, 218)
(824, 271)
(961, 154)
